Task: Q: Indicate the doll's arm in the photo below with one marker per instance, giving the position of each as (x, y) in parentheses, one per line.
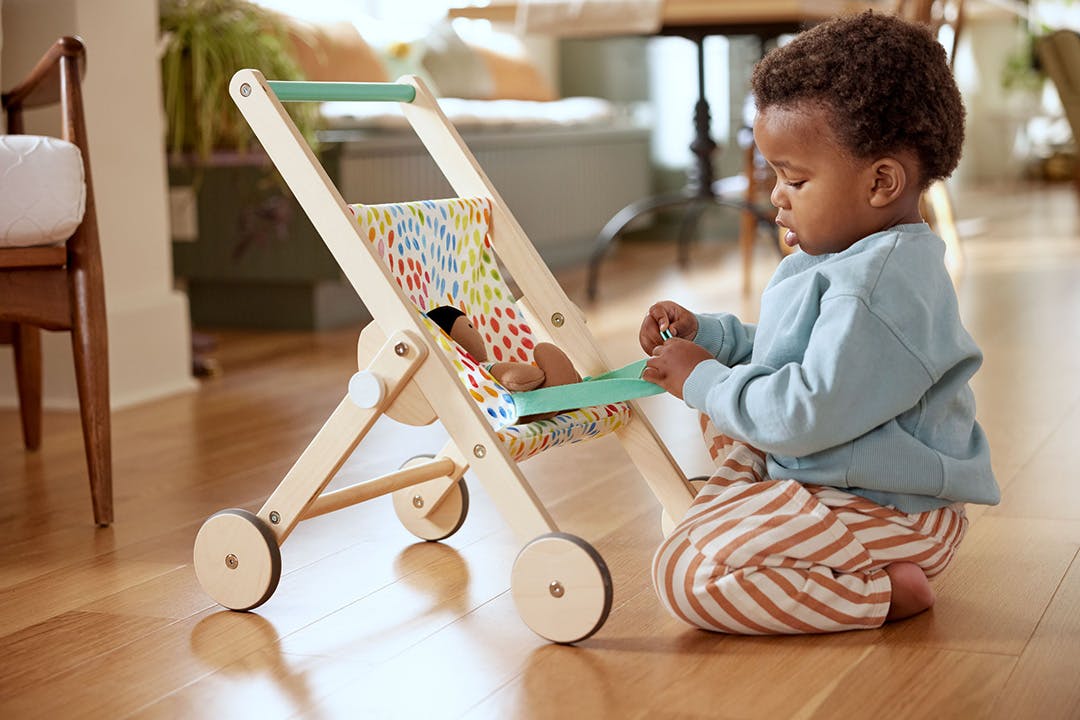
(517, 376)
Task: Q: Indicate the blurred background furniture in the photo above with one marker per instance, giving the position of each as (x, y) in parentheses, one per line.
(50, 261)
(1059, 55)
(945, 19)
(247, 255)
(696, 21)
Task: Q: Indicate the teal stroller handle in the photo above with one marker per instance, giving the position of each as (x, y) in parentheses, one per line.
(300, 91)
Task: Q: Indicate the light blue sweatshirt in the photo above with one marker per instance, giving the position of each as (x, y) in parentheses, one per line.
(856, 375)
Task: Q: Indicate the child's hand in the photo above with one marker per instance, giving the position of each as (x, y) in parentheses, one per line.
(672, 362)
(669, 316)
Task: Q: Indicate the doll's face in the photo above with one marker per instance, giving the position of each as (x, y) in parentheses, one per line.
(466, 336)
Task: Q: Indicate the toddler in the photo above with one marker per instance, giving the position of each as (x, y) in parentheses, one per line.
(845, 414)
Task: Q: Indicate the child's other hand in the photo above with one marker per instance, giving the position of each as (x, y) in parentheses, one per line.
(672, 362)
(666, 315)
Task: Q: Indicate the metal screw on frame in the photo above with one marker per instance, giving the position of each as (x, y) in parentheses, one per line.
(557, 319)
(245, 89)
(401, 349)
(275, 517)
(479, 450)
(418, 501)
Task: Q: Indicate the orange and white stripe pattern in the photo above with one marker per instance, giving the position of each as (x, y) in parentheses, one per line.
(757, 556)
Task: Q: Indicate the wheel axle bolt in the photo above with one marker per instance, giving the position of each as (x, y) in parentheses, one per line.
(275, 517)
(556, 589)
(231, 562)
(418, 501)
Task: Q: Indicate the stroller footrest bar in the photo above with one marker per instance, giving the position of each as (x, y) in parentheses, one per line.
(376, 487)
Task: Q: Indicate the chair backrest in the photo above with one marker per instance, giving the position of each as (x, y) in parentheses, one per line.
(1059, 55)
(945, 18)
(57, 78)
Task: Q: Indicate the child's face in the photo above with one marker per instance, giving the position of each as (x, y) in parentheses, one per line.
(822, 194)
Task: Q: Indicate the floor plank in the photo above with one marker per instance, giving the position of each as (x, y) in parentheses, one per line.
(1045, 683)
(997, 588)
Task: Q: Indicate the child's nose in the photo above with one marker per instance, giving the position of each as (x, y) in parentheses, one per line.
(777, 197)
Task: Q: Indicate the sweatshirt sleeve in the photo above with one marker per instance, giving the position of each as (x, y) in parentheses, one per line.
(730, 340)
(855, 374)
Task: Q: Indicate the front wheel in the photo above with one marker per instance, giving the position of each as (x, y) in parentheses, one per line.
(561, 587)
(237, 559)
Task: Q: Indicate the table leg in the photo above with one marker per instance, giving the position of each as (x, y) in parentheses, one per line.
(698, 194)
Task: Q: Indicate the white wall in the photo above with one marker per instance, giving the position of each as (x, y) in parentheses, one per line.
(149, 329)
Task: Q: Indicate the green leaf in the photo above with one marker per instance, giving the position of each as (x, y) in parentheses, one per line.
(207, 42)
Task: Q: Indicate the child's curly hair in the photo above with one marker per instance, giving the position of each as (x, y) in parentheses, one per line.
(885, 81)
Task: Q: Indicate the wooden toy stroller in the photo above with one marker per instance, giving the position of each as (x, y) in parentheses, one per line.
(405, 259)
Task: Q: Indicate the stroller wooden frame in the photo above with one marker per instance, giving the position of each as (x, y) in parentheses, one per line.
(560, 584)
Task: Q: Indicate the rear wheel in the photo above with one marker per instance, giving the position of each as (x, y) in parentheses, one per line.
(413, 505)
(667, 524)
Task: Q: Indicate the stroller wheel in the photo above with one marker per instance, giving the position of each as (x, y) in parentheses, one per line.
(237, 559)
(439, 523)
(667, 524)
(561, 587)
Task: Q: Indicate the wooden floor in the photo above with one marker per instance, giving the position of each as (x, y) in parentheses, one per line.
(366, 622)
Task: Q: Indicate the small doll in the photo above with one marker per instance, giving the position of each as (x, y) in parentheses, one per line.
(552, 366)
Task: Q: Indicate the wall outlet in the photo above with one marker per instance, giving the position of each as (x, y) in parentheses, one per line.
(183, 214)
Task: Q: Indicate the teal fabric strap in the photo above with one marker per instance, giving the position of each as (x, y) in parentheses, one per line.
(611, 387)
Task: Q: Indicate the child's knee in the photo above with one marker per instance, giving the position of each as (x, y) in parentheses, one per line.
(669, 568)
(681, 575)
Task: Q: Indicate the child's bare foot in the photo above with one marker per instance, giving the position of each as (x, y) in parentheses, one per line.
(911, 592)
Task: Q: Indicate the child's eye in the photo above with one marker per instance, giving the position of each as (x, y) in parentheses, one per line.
(795, 185)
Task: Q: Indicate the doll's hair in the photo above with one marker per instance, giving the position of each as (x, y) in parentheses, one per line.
(884, 81)
(445, 316)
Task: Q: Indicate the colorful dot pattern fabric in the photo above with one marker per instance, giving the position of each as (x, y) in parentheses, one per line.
(440, 253)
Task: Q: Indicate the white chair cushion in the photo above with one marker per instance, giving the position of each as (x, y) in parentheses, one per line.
(42, 190)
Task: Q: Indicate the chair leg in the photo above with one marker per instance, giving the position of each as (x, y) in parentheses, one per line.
(26, 342)
(748, 223)
(89, 342)
(941, 208)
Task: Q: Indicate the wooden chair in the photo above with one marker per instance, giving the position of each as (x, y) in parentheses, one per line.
(1059, 55)
(945, 19)
(44, 285)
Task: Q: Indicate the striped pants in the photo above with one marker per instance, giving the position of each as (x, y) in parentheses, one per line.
(757, 556)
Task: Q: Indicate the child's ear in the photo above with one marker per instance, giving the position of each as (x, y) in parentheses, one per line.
(889, 180)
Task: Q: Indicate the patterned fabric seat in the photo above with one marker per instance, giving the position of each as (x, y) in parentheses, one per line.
(439, 252)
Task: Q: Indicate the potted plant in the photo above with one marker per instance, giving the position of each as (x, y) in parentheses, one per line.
(203, 43)
(242, 248)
